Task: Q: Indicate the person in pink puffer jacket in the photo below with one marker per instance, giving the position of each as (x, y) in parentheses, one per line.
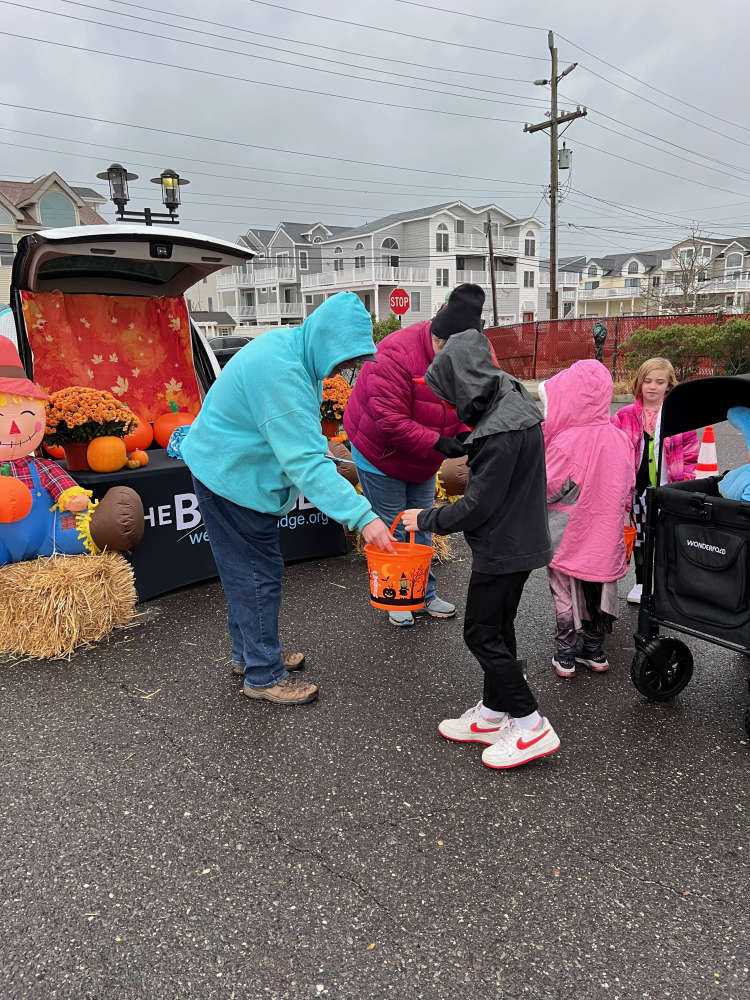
(590, 479)
(640, 421)
(401, 432)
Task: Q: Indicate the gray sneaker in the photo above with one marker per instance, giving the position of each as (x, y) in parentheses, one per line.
(438, 608)
(402, 619)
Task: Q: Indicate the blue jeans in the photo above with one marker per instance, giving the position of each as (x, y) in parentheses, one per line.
(389, 497)
(246, 548)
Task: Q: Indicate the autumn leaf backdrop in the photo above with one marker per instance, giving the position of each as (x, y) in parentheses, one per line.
(136, 347)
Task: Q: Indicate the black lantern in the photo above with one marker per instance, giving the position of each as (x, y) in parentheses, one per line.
(118, 178)
(170, 182)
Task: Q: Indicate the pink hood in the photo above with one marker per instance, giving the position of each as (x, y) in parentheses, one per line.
(590, 476)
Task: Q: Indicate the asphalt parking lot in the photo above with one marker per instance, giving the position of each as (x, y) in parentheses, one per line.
(164, 838)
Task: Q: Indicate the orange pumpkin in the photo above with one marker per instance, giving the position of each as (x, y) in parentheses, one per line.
(139, 438)
(106, 454)
(55, 450)
(15, 497)
(169, 422)
(137, 459)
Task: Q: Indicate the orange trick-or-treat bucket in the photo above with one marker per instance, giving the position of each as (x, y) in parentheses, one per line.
(398, 580)
(629, 541)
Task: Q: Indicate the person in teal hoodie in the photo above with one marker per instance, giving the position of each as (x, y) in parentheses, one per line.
(255, 446)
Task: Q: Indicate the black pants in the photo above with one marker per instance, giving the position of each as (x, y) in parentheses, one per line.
(489, 632)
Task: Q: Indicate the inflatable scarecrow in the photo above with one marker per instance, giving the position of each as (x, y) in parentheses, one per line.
(43, 511)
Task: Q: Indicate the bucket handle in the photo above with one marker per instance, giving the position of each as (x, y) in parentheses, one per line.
(393, 527)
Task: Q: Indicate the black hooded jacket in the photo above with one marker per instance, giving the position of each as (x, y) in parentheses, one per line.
(503, 512)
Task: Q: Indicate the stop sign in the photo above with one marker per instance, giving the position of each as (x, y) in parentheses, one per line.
(399, 301)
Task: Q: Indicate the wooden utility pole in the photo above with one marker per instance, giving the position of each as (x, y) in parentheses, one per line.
(492, 268)
(553, 124)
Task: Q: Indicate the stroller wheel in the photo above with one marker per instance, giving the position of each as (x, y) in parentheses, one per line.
(662, 669)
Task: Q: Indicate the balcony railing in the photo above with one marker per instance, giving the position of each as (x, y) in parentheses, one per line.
(256, 276)
(483, 278)
(477, 241)
(266, 311)
(368, 275)
(620, 292)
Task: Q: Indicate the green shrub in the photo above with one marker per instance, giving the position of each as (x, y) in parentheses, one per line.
(684, 346)
(728, 347)
(384, 327)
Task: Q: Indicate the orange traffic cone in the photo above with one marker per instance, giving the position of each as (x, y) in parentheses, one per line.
(708, 462)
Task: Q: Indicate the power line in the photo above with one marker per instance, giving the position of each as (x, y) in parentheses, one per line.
(270, 149)
(657, 170)
(392, 31)
(281, 62)
(617, 69)
(180, 16)
(253, 81)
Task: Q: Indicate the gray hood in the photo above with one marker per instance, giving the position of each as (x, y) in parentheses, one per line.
(485, 397)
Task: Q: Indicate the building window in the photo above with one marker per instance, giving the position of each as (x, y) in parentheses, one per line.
(459, 226)
(6, 250)
(368, 302)
(685, 256)
(529, 244)
(632, 282)
(303, 260)
(703, 275)
(416, 302)
(210, 304)
(589, 286)
(308, 300)
(338, 259)
(389, 259)
(56, 210)
(633, 267)
(656, 281)
(733, 265)
(593, 271)
(318, 239)
(528, 279)
(706, 253)
(728, 301)
(441, 238)
(441, 277)
(359, 260)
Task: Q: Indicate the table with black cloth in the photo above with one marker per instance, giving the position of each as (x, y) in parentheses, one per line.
(175, 550)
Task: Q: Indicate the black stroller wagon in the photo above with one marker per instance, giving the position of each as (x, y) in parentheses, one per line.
(696, 577)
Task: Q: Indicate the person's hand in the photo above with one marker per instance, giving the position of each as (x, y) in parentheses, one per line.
(377, 534)
(450, 447)
(77, 503)
(409, 519)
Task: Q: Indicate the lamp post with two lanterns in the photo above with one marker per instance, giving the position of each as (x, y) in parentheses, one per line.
(169, 181)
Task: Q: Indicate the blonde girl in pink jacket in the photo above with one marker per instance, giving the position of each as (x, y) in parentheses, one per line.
(640, 421)
(590, 480)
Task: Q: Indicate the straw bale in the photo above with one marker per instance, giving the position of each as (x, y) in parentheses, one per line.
(49, 607)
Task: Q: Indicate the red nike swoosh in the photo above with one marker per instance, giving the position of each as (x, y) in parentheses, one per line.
(525, 746)
(476, 729)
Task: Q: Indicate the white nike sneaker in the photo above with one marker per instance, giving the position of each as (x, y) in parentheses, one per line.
(516, 746)
(471, 727)
(634, 597)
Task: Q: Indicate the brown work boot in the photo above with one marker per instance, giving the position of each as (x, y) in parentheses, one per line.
(290, 691)
(291, 661)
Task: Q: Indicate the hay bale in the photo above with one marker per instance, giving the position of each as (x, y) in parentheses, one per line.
(49, 607)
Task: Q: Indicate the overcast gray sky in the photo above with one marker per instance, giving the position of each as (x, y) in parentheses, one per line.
(470, 147)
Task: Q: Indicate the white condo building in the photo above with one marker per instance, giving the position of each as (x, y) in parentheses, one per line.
(427, 251)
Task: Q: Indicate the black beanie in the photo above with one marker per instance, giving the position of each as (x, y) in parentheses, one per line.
(462, 311)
